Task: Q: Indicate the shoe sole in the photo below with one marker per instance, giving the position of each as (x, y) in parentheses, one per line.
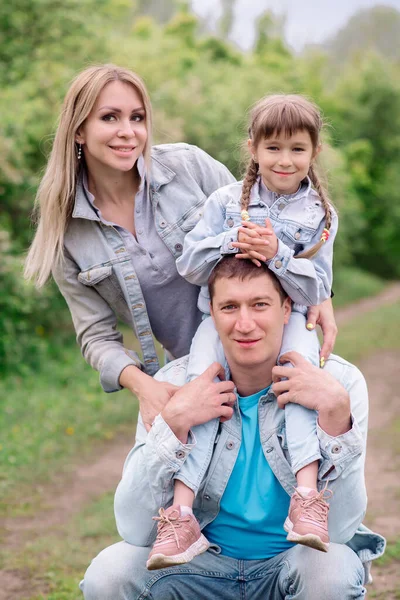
(161, 561)
(309, 539)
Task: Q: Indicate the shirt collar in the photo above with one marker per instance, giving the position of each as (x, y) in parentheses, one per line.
(84, 200)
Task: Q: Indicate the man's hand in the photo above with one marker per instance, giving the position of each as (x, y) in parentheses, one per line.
(200, 401)
(315, 389)
(255, 242)
(323, 316)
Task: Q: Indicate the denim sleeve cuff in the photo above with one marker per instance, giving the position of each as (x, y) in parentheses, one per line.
(279, 263)
(230, 236)
(169, 449)
(113, 365)
(337, 452)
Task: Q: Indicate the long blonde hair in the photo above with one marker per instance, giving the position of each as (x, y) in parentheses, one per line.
(56, 194)
(287, 114)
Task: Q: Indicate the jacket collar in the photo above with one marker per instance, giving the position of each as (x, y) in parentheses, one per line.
(302, 192)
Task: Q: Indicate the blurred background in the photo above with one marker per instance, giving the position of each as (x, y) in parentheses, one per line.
(205, 62)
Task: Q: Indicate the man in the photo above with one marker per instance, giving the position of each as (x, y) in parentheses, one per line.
(250, 310)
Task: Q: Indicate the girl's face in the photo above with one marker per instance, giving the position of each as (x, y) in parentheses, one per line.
(284, 161)
(114, 134)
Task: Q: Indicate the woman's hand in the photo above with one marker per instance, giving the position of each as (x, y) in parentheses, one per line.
(153, 395)
(323, 316)
(256, 243)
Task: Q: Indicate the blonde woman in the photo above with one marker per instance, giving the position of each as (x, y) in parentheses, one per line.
(113, 214)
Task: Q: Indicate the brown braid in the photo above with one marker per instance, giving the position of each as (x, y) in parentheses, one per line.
(248, 182)
(322, 193)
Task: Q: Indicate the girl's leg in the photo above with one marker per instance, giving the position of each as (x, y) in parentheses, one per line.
(183, 495)
(206, 348)
(179, 538)
(308, 512)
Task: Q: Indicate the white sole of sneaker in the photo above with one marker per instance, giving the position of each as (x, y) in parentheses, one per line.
(311, 540)
(160, 561)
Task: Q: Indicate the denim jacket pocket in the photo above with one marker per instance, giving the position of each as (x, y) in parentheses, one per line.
(192, 217)
(93, 276)
(297, 233)
(106, 283)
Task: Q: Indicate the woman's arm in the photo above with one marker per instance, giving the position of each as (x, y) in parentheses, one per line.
(96, 326)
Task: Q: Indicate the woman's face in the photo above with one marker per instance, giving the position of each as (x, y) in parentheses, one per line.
(114, 134)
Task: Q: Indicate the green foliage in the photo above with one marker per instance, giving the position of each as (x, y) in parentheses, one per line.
(201, 87)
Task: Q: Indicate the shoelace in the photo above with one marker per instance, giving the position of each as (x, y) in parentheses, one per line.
(168, 524)
(316, 507)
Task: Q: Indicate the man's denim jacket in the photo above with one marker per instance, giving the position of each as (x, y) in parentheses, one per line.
(148, 476)
(298, 222)
(97, 277)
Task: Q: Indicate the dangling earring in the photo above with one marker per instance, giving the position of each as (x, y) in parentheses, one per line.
(79, 151)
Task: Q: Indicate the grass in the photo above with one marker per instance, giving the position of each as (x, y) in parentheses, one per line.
(48, 420)
(351, 284)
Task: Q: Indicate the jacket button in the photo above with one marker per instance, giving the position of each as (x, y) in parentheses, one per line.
(178, 247)
(268, 450)
(297, 235)
(206, 497)
(163, 224)
(278, 264)
(336, 449)
(230, 222)
(230, 445)
(281, 206)
(180, 454)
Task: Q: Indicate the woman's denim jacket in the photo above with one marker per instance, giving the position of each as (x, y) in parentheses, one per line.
(148, 476)
(298, 223)
(97, 277)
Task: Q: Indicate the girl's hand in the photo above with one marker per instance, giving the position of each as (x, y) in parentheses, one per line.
(256, 242)
(323, 316)
(153, 396)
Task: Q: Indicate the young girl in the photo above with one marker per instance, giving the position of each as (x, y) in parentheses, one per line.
(279, 214)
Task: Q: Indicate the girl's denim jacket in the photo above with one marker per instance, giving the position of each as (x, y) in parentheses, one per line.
(158, 456)
(97, 277)
(298, 223)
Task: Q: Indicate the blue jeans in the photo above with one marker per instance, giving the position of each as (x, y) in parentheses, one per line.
(300, 573)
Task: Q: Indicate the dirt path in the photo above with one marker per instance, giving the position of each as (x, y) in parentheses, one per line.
(390, 295)
(102, 475)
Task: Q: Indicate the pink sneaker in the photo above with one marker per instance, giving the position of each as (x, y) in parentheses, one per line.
(307, 522)
(178, 541)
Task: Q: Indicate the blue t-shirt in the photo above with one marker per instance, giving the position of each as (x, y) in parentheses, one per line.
(254, 505)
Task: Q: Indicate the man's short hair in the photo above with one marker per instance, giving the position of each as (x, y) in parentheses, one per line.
(230, 267)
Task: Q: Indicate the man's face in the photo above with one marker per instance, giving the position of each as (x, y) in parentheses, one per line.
(249, 318)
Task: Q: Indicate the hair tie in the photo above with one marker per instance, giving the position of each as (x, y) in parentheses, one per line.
(325, 235)
(244, 215)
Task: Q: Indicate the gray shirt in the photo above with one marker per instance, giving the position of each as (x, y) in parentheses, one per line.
(162, 287)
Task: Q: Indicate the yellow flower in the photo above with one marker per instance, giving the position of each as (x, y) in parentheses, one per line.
(70, 431)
